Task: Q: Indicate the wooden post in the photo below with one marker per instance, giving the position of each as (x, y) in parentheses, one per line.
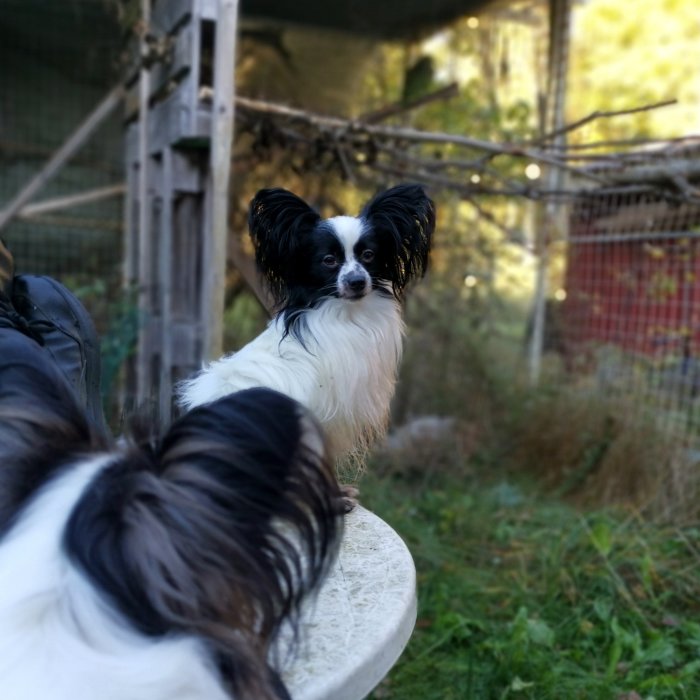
(547, 221)
(143, 236)
(164, 265)
(179, 192)
(215, 253)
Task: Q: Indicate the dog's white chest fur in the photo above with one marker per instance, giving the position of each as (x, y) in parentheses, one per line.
(345, 375)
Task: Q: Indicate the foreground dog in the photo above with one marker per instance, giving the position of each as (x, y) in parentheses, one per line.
(160, 570)
(336, 340)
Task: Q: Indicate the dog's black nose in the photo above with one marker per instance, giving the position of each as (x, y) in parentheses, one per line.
(356, 282)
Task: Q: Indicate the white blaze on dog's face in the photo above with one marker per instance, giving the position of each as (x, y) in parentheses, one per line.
(354, 280)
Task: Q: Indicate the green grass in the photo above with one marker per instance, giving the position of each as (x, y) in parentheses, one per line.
(522, 596)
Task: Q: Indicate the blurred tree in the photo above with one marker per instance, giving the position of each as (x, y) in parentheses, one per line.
(625, 55)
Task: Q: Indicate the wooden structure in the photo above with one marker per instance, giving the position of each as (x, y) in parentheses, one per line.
(178, 142)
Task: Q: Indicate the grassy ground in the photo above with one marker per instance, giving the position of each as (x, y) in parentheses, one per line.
(522, 596)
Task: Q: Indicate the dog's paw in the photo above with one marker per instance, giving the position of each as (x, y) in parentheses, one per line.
(349, 497)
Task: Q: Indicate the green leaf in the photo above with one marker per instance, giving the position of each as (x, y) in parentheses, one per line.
(539, 632)
(601, 537)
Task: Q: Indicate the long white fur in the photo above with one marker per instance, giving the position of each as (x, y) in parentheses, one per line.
(60, 640)
(345, 374)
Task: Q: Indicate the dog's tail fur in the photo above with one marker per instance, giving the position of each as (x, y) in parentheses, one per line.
(219, 530)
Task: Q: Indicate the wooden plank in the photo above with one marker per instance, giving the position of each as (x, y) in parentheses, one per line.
(71, 200)
(220, 165)
(165, 287)
(551, 212)
(144, 203)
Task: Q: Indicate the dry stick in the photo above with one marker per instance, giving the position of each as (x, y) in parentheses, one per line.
(687, 190)
(71, 200)
(435, 163)
(63, 154)
(598, 114)
(677, 140)
(443, 93)
(667, 170)
(429, 165)
(467, 189)
(408, 134)
(621, 168)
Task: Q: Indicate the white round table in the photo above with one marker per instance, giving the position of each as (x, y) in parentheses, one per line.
(362, 618)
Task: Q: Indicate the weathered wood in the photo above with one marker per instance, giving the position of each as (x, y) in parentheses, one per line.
(165, 287)
(220, 168)
(178, 153)
(144, 364)
(551, 212)
(71, 200)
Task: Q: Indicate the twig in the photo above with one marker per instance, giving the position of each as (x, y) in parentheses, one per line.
(599, 114)
(359, 147)
(351, 127)
(66, 202)
(443, 93)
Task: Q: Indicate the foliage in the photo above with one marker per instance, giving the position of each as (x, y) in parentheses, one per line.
(539, 576)
(523, 597)
(622, 59)
(592, 447)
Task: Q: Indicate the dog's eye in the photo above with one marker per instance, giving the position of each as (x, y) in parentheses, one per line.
(367, 255)
(330, 261)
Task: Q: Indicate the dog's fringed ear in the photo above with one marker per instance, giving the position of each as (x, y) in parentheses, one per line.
(41, 422)
(219, 532)
(404, 215)
(277, 221)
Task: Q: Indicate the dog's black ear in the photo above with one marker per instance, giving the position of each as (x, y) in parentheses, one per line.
(218, 532)
(403, 216)
(41, 422)
(278, 220)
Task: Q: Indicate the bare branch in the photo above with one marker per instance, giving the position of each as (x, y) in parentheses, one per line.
(359, 150)
(600, 114)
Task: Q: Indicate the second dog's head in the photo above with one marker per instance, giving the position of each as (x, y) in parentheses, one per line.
(307, 259)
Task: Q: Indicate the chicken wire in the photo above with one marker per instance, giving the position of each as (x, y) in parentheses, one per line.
(631, 317)
(59, 60)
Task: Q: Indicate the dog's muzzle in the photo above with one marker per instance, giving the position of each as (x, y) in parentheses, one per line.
(354, 285)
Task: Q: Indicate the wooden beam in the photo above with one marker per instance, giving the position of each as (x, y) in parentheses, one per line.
(216, 235)
(551, 213)
(71, 200)
(143, 240)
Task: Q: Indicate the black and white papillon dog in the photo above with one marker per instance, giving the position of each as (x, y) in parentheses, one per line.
(161, 569)
(335, 342)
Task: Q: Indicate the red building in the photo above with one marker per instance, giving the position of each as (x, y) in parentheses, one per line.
(633, 277)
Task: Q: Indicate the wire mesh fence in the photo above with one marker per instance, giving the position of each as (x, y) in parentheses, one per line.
(59, 60)
(631, 318)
